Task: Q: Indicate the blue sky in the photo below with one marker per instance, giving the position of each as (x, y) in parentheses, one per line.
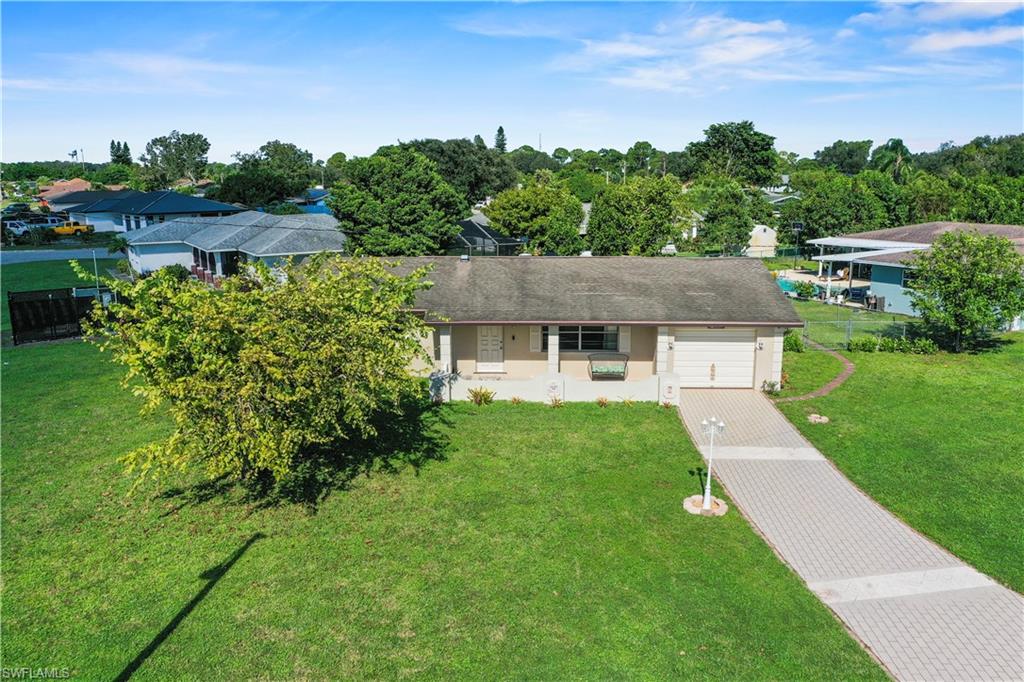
(352, 77)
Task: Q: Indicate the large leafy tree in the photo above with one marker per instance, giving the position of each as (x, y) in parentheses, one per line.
(635, 218)
(475, 171)
(846, 157)
(835, 204)
(725, 209)
(640, 156)
(528, 160)
(264, 371)
(294, 166)
(174, 156)
(738, 151)
(500, 141)
(395, 203)
(254, 187)
(544, 212)
(968, 285)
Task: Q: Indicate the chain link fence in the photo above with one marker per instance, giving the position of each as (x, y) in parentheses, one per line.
(838, 334)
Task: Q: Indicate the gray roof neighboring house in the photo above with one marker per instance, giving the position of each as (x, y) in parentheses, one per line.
(610, 290)
(897, 246)
(251, 232)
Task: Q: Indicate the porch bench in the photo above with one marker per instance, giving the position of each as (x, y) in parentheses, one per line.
(608, 366)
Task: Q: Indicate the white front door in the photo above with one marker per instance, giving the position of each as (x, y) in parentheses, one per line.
(715, 358)
(490, 349)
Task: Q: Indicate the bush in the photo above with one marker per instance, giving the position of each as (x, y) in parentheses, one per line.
(516, 400)
(481, 395)
(793, 342)
(602, 402)
(804, 289)
(770, 387)
(555, 401)
(177, 271)
(898, 344)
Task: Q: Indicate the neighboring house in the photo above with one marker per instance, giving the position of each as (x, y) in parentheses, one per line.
(66, 200)
(618, 327)
(132, 210)
(313, 201)
(96, 208)
(762, 243)
(48, 192)
(213, 247)
(885, 257)
(477, 237)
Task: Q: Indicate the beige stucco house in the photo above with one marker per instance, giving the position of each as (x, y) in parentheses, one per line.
(579, 328)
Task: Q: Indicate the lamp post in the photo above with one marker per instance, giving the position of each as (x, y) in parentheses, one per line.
(710, 427)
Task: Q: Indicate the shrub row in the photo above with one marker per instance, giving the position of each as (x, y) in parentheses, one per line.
(885, 344)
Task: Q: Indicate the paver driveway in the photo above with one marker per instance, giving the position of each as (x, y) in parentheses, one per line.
(924, 613)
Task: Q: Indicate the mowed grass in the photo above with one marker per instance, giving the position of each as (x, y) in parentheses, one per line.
(48, 274)
(807, 371)
(938, 440)
(544, 544)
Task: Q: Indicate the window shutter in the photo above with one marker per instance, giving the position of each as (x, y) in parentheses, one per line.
(535, 339)
(624, 339)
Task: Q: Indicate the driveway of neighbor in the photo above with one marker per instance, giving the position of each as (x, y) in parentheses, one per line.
(12, 257)
(924, 613)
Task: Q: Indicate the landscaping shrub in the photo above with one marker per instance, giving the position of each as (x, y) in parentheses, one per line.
(481, 395)
(602, 402)
(887, 344)
(770, 387)
(555, 401)
(793, 341)
(804, 289)
(516, 400)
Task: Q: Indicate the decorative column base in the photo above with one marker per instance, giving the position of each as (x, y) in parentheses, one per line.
(694, 504)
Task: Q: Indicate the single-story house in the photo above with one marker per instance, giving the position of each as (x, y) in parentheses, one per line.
(312, 200)
(620, 327)
(763, 242)
(477, 237)
(885, 257)
(65, 200)
(214, 246)
(132, 210)
(47, 193)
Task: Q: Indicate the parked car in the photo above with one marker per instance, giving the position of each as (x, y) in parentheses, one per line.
(17, 227)
(72, 227)
(18, 207)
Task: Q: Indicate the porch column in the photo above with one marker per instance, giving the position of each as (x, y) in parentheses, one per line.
(444, 340)
(661, 353)
(552, 349)
(821, 252)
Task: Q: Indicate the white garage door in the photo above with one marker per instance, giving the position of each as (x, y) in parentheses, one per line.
(715, 358)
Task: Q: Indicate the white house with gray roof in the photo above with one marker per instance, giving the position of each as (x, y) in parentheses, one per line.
(212, 247)
(618, 327)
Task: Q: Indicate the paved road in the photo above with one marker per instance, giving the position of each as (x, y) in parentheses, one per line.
(9, 257)
(924, 613)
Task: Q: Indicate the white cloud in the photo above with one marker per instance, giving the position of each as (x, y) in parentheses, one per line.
(899, 14)
(946, 41)
(845, 34)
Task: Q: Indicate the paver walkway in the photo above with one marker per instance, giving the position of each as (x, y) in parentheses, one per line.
(845, 374)
(925, 614)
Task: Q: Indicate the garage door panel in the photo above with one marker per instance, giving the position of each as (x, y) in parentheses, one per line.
(730, 351)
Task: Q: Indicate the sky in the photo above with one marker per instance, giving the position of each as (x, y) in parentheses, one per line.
(352, 77)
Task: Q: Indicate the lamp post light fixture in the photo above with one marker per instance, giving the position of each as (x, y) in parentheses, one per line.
(711, 428)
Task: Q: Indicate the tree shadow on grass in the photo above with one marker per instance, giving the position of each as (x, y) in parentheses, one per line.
(211, 576)
(412, 436)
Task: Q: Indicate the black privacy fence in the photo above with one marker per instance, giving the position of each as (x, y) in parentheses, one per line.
(47, 314)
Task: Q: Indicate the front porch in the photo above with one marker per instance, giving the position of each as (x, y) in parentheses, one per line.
(571, 362)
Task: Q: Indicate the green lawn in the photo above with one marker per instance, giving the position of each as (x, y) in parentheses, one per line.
(808, 371)
(938, 440)
(47, 274)
(544, 544)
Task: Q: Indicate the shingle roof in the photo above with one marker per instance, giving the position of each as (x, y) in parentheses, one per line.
(535, 289)
(168, 202)
(478, 226)
(926, 233)
(86, 198)
(102, 204)
(252, 232)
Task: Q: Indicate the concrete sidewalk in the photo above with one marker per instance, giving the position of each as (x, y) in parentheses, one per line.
(924, 613)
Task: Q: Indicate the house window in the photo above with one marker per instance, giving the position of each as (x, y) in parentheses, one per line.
(584, 338)
(127, 222)
(138, 222)
(908, 278)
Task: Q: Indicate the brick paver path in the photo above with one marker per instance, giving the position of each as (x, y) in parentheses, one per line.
(924, 614)
(848, 368)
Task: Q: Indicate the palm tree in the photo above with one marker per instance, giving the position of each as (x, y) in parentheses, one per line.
(892, 158)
